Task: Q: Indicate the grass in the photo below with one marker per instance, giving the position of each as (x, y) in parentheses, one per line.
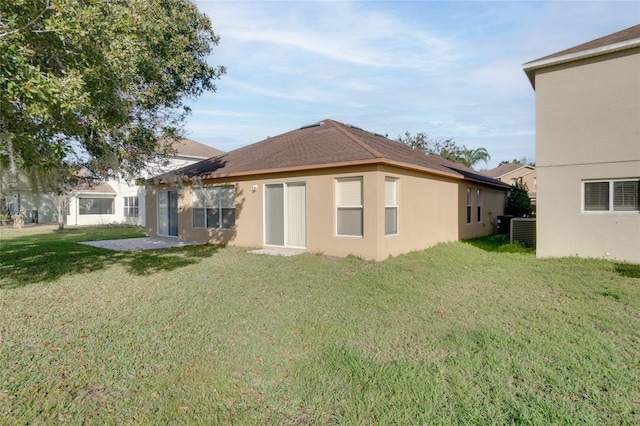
(500, 243)
(463, 333)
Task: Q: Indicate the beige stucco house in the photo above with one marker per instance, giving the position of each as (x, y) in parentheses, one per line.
(588, 148)
(515, 172)
(326, 188)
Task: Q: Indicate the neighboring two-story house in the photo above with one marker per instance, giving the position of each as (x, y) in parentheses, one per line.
(588, 148)
(112, 201)
(515, 172)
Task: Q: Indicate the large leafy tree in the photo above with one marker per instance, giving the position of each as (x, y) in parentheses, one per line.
(447, 148)
(98, 84)
(418, 141)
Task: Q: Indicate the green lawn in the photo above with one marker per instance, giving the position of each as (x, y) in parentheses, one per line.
(476, 332)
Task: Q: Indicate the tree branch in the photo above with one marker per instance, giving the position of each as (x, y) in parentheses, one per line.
(31, 22)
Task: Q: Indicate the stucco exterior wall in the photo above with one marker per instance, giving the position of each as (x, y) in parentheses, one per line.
(32, 202)
(570, 231)
(428, 211)
(492, 203)
(587, 127)
(122, 189)
(75, 218)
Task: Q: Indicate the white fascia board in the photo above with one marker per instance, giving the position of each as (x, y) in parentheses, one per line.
(100, 194)
(610, 48)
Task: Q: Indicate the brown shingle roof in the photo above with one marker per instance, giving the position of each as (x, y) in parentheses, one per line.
(190, 148)
(503, 169)
(624, 39)
(99, 187)
(618, 37)
(324, 144)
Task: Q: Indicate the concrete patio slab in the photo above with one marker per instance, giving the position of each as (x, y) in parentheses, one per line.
(136, 244)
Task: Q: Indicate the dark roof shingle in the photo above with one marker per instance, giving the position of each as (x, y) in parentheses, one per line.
(617, 37)
(326, 144)
(190, 148)
(504, 169)
(625, 39)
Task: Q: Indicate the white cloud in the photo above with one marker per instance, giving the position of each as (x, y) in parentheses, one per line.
(337, 31)
(309, 94)
(451, 69)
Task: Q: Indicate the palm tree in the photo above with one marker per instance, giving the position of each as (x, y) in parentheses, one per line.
(472, 156)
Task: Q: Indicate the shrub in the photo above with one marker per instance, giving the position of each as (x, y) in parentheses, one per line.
(519, 203)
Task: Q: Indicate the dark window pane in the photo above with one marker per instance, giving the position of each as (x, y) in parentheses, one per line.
(626, 195)
(198, 218)
(228, 218)
(213, 218)
(596, 196)
(350, 221)
(390, 220)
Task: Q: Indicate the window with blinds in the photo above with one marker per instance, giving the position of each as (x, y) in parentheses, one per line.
(596, 196)
(626, 195)
(349, 206)
(390, 206)
(214, 207)
(286, 214)
(613, 195)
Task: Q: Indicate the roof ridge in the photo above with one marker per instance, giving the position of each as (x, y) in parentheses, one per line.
(508, 168)
(355, 139)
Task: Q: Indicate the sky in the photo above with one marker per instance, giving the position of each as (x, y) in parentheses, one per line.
(450, 69)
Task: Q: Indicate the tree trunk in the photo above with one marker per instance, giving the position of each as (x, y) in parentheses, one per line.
(61, 210)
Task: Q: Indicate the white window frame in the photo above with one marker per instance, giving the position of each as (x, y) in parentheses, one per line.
(83, 212)
(349, 206)
(611, 207)
(216, 195)
(393, 205)
(129, 208)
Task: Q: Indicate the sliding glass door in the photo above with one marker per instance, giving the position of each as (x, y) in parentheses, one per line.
(285, 215)
(168, 213)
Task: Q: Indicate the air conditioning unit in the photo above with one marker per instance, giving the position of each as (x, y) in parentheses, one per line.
(503, 224)
(523, 230)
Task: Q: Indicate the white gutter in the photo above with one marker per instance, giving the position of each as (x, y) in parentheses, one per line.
(109, 194)
(529, 67)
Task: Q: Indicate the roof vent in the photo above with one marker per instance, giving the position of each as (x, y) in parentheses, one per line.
(308, 126)
(354, 127)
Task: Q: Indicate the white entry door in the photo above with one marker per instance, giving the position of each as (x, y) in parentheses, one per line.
(285, 215)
